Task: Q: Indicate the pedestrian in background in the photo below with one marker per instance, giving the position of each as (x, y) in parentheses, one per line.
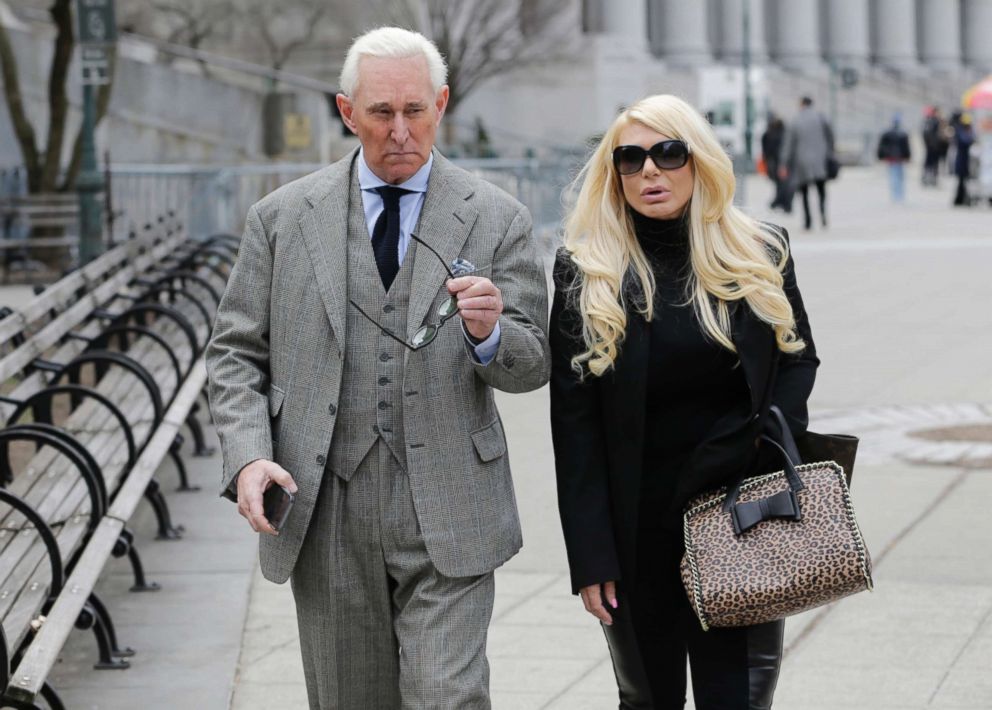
(931, 145)
(951, 134)
(676, 321)
(808, 144)
(964, 138)
(771, 149)
(944, 140)
(893, 148)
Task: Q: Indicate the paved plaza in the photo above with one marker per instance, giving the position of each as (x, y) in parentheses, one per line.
(899, 301)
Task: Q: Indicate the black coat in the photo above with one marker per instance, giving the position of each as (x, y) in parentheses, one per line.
(964, 137)
(894, 145)
(598, 427)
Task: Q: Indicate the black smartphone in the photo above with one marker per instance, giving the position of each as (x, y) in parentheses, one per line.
(276, 504)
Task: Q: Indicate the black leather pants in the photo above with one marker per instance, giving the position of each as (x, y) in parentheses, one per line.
(654, 630)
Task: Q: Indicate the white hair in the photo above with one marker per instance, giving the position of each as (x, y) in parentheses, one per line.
(391, 42)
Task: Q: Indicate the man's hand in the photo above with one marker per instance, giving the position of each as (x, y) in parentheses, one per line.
(593, 596)
(480, 304)
(253, 480)
(783, 173)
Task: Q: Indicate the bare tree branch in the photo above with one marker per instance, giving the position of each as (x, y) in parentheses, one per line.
(482, 39)
(301, 20)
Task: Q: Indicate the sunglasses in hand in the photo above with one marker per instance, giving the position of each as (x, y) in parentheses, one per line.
(426, 334)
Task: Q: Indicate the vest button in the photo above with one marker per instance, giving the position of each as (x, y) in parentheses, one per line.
(383, 380)
(388, 308)
(332, 409)
(320, 459)
(383, 405)
(385, 357)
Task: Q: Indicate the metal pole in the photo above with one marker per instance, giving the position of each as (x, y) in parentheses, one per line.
(108, 199)
(746, 60)
(833, 93)
(88, 185)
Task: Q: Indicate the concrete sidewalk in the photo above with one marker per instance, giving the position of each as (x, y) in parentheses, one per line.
(898, 299)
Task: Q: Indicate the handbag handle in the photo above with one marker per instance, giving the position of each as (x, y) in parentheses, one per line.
(789, 451)
(788, 441)
(784, 504)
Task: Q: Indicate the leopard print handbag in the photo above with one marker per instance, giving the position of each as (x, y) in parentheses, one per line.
(776, 545)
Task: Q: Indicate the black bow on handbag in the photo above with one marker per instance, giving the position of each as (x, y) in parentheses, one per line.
(841, 448)
(781, 505)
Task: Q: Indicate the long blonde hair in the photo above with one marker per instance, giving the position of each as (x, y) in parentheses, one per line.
(733, 257)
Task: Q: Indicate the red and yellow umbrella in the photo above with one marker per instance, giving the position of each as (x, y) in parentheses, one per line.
(979, 96)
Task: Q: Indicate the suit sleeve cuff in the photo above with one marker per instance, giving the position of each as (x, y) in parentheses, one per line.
(483, 352)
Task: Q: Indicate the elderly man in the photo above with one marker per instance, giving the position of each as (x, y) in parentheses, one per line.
(335, 372)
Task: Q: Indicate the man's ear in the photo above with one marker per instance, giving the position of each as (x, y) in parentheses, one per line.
(441, 101)
(347, 110)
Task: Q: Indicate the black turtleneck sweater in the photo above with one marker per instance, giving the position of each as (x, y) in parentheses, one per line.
(692, 381)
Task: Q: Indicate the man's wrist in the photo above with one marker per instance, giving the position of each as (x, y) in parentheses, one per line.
(476, 341)
(483, 351)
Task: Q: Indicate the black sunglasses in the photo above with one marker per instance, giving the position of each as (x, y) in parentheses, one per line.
(667, 155)
(425, 335)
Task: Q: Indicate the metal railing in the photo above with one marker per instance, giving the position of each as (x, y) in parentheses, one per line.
(216, 199)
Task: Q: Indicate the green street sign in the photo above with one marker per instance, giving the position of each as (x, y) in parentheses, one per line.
(95, 65)
(95, 22)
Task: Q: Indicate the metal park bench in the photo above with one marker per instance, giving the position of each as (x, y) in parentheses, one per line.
(51, 218)
(103, 370)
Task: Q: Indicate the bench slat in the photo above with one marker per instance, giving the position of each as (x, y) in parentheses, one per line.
(31, 574)
(56, 295)
(41, 655)
(50, 334)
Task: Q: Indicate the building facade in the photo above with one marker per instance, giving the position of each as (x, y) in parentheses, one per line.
(861, 61)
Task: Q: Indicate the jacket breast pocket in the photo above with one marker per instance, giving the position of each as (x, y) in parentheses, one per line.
(489, 441)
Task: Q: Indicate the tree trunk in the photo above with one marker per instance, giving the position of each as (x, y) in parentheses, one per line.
(15, 104)
(58, 102)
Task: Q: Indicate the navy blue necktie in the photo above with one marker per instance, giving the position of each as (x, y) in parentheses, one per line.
(386, 234)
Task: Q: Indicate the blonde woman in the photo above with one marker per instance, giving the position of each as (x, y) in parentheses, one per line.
(676, 322)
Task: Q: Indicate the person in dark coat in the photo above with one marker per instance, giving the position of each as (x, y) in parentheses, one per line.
(893, 148)
(677, 320)
(771, 148)
(964, 138)
(931, 146)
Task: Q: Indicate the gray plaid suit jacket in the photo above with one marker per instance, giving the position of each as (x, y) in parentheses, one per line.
(276, 354)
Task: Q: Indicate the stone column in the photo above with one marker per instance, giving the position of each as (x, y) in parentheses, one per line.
(976, 25)
(679, 31)
(732, 30)
(895, 33)
(940, 33)
(797, 36)
(848, 33)
(627, 19)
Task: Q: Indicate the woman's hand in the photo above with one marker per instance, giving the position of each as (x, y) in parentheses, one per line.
(593, 597)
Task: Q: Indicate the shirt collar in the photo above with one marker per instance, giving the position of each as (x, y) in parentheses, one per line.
(368, 180)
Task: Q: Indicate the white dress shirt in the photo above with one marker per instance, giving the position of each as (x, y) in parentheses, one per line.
(411, 205)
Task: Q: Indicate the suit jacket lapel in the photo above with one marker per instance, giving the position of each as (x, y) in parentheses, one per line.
(325, 232)
(445, 222)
